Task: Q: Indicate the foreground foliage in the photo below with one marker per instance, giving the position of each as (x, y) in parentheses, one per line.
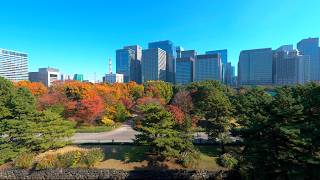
(23, 128)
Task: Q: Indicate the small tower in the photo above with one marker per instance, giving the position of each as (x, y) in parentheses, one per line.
(110, 66)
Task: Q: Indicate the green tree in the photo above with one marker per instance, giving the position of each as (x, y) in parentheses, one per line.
(159, 131)
(279, 142)
(159, 89)
(218, 111)
(23, 128)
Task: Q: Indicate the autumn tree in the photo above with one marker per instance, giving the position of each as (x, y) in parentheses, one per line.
(159, 89)
(36, 88)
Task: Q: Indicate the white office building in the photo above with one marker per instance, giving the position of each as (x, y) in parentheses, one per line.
(45, 75)
(13, 65)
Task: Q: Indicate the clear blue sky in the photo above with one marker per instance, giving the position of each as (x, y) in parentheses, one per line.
(79, 36)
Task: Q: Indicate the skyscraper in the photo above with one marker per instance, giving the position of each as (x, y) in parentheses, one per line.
(135, 65)
(170, 50)
(45, 75)
(153, 65)
(208, 67)
(311, 48)
(13, 65)
(255, 67)
(189, 53)
(185, 70)
(223, 54)
(290, 67)
(124, 60)
(228, 74)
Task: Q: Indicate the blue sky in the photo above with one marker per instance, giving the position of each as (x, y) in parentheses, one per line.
(79, 36)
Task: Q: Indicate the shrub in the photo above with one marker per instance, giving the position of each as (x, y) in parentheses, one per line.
(189, 159)
(24, 160)
(48, 161)
(107, 121)
(227, 160)
(92, 156)
(69, 159)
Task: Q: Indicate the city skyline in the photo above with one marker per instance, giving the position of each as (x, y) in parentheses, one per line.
(57, 37)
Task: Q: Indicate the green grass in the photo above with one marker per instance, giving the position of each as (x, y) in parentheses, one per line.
(94, 129)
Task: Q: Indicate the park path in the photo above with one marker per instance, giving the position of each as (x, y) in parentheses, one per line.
(125, 133)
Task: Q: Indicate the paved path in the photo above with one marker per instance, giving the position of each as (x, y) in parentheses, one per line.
(125, 133)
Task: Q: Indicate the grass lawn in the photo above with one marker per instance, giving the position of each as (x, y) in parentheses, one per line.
(130, 157)
(94, 129)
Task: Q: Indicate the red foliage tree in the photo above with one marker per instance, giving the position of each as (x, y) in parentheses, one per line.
(90, 108)
(177, 113)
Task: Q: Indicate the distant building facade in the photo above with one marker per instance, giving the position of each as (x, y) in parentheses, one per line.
(290, 68)
(78, 77)
(124, 61)
(135, 64)
(255, 67)
(208, 67)
(310, 47)
(45, 75)
(13, 65)
(153, 65)
(189, 53)
(113, 78)
(170, 50)
(223, 54)
(185, 70)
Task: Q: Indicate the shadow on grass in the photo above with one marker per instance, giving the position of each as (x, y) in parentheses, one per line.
(126, 153)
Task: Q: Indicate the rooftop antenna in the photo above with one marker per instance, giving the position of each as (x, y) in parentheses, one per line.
(110, 66)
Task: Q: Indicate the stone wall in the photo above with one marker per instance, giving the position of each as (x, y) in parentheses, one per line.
(112, 174)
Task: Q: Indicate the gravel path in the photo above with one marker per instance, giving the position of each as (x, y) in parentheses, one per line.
(125, 133)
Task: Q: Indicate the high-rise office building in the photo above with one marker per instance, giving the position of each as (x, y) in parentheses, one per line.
(124, 60)
(223, 54)
(179, 49)
(170, 50)
(290, 67)
(153, 64)
(228, 74)
(255, 67)
(224, 59)
(45, 75)
(311, 48)
(208, 67)
(185, 70)
(189, 53)
(13, 65)
(78, 77)
(135, 65)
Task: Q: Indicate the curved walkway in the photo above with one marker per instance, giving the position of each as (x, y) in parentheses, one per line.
(123, 134)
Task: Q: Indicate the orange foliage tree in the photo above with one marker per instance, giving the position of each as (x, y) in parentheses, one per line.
(36, 88)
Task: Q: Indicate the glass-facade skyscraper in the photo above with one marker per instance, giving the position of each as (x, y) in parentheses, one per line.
(13, 65)
(170, 50)
(208, 67)
(153, 64)
(185, 70)
(124, 59)
(310, 47)
(135, 65)
(223, 54)
(255, 67)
